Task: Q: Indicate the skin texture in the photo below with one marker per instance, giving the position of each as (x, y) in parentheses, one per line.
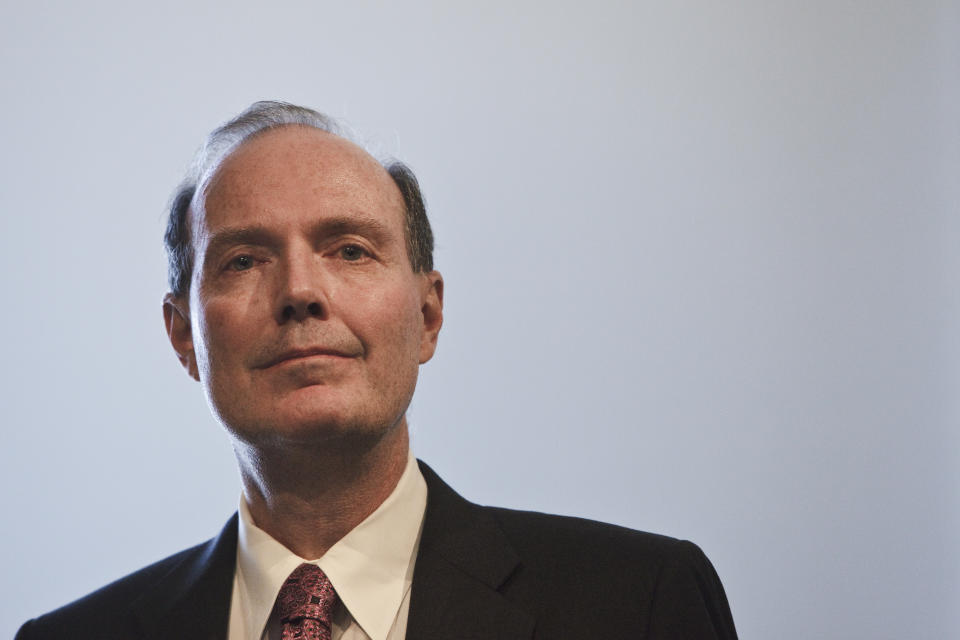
(306, 326)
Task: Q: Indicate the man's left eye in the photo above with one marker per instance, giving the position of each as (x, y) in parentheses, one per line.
(352, 252)
(241, 263)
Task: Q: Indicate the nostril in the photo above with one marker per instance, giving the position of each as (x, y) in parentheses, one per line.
(288, 312)
(314, 309)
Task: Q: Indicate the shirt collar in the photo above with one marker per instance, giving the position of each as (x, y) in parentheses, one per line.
(371, 567)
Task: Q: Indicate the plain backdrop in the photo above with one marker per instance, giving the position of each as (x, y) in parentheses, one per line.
(701, 265)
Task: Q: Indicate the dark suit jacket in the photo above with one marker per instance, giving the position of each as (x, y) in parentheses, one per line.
(481, 573)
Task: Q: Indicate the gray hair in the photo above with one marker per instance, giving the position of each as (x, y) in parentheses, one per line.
(254, 120)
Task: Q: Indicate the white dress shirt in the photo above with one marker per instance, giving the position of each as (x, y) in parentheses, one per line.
(371, 568)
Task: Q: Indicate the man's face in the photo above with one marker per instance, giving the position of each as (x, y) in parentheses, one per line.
(305, 318)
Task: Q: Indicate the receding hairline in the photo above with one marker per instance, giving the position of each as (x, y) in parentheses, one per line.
(210, 175)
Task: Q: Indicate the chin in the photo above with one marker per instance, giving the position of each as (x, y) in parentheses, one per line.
(306, 428)
(313, 415)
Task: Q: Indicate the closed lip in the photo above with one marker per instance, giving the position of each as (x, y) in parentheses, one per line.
(297, 354)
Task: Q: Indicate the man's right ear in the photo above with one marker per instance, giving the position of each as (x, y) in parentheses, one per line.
(176, 316)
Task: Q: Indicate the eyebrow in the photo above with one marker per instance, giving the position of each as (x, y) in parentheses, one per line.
(358, 224)
(261, 235)
(232, 236)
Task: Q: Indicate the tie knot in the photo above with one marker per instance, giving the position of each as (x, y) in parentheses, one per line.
(306, 594)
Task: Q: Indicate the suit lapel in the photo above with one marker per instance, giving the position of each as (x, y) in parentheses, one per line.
(463, 561)
(192, 602)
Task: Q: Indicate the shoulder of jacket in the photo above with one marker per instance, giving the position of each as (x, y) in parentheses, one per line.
(90, 612)
(534, 525)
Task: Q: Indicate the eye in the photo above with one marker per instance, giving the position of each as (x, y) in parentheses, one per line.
(240, 263)
(353, 252)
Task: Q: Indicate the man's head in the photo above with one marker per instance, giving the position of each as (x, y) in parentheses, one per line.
(302, 292)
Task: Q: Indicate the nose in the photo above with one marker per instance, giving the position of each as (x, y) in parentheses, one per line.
(302, 292)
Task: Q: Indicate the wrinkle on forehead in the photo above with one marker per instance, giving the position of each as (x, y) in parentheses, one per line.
(286, 146)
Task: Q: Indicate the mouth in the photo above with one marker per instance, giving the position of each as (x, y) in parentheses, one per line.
(298, 355)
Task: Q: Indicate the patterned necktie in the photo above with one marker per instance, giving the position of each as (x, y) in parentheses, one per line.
(305, 604)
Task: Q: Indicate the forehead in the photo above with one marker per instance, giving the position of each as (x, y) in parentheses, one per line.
(294, 171)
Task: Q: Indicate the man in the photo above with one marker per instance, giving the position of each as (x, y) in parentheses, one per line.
(303, 299)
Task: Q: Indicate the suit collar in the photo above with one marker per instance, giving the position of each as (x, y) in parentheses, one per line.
(463, 561)
(192, 601)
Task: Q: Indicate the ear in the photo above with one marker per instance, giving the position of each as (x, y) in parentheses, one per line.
(176, 316)
(432, 310)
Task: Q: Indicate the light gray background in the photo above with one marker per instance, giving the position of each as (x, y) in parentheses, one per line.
(701, 267)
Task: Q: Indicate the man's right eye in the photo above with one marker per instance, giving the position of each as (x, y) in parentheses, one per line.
(240, 263)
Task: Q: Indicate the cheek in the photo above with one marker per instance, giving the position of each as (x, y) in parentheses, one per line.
(217, 337)
(407, 322)
(201, 349)
(392, 325)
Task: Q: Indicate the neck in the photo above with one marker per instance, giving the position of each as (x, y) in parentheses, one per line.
(309, 497)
